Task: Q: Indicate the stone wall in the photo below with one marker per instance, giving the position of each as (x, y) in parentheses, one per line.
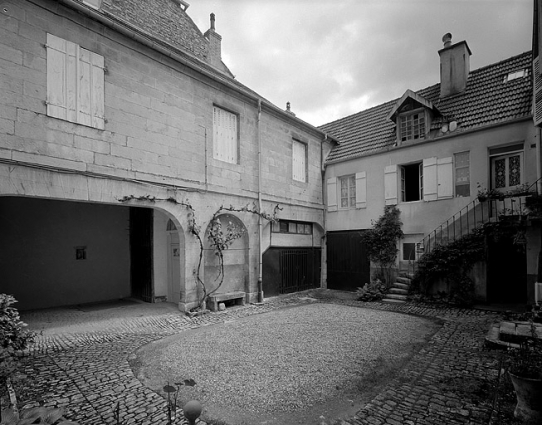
(158, 133)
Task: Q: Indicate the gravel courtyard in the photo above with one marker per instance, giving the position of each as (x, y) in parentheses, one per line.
(291, 365)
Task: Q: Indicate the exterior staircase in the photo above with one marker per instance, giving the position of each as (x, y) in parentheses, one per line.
(399, 289)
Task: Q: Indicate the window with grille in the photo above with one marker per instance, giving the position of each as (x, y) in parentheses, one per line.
(506, 170)
(225, 136)
(462, 174)
(348, 191)
(75, 83)
(412, 126)
(299, 161)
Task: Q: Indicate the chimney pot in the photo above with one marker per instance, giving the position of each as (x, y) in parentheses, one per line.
(213, 21)
(447, 39)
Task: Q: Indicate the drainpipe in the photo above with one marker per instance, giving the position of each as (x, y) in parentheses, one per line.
(538, 165)
(260, 220)
(323, 282)
(205, 160)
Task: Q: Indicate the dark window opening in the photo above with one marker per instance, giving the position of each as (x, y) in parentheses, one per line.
(411, 182)
(409, 251)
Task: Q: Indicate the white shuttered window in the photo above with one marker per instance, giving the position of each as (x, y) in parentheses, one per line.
(75, 83)
(299, 154)
(224, 135)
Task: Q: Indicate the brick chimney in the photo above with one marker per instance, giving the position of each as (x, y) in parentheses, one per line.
(215, 45)
(454, 66)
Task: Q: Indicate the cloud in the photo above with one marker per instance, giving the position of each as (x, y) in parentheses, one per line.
(335, 58)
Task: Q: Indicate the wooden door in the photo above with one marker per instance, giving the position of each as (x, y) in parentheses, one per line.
(141, 253)
(348, 267)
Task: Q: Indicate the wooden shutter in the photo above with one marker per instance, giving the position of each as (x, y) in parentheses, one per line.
(224, 135)
(361, 190)
(445, 178)
(390, 185)
(430, 179)
(57, 63)
(298, 161)
(75, 83)
(332, 194)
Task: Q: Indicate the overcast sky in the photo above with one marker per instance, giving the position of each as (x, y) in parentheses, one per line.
(334, 58)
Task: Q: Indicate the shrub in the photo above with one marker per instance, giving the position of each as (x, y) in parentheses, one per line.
(13, 335)
(373, 291)
(381, 240)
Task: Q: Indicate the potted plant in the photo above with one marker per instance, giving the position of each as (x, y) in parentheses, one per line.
(525, 371)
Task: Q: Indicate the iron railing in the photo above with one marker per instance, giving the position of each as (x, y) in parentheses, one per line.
(474, 215)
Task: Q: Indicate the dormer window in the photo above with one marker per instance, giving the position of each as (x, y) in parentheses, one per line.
(412, 126)
(412, 116)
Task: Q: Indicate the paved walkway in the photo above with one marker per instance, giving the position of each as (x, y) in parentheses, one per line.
(83, 365)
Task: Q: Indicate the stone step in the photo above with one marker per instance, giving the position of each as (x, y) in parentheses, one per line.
(392, 300)
(399, 291)
(400, 285)
(405, 280)
(397, 297)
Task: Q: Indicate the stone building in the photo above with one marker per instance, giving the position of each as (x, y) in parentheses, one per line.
(429, 152)
(115, 117)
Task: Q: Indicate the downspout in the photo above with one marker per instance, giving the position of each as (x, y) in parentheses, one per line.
(260, 220)
(538, 165)
(205, 153)
(323, 282)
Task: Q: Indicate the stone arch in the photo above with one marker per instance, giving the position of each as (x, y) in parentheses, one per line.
(236, 260)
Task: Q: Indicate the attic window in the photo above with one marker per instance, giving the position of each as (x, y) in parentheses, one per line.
(412, 126)
(184, 5)
(516, 74)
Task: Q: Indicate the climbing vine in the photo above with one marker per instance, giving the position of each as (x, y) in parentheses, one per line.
(219, 238)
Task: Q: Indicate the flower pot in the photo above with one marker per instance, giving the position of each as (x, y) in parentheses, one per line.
(529, 396)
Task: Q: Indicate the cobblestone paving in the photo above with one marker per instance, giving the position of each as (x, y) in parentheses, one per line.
(450, 381)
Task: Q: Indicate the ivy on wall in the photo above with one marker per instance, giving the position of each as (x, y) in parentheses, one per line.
(219, 237)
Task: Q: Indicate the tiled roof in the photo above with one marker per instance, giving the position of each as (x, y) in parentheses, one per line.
(164, 19)
(487, 100)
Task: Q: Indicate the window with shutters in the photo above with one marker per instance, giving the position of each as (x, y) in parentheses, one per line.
(412, 182)
(75, 83)
(225, 135)
(299, 161)
(462, 173)
(348, 191)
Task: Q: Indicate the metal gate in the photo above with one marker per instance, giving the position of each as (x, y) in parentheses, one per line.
(347, 264)
(287, 270)
(141, 257)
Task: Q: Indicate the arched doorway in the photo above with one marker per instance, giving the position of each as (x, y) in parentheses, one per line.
(235, 258)
(176, 257)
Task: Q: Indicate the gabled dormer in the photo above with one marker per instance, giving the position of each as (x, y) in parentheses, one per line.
(412, 115)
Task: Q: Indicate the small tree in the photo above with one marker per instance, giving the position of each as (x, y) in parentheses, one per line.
(381, 240)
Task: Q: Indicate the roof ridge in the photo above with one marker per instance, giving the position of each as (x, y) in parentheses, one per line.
(371, 130)
(528, 52)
